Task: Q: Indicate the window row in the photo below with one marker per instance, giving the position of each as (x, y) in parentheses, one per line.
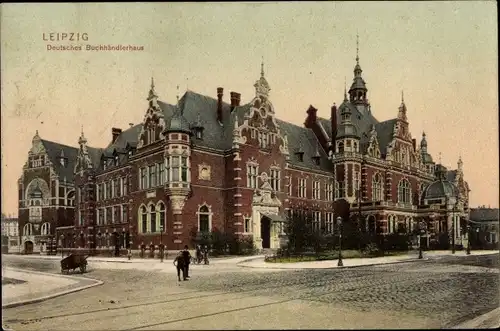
(316, 190)
(112, 215)
(110, 189)
(253, 175)
(265, 138)
(153, 218)
(28, 229)
(174, 169)
(395, 226)
(319, 221)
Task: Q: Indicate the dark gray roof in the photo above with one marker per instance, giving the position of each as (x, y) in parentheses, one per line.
(484, 214)
(440, 189)
(451, 175)
(364, 121)
(54, 152)
(426, 158)
(309, 144)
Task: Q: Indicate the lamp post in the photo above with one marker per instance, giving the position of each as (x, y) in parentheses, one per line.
(421, 231)
(339, 224)
(468, 238)
(62, 244)
(161, 242)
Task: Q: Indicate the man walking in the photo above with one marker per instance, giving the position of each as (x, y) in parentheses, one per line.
(180, 265)
(187, 260)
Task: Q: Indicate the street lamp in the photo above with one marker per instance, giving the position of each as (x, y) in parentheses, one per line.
(468, 238)
(421, 231)
(161, 242)
(339, 224)
(62, 244)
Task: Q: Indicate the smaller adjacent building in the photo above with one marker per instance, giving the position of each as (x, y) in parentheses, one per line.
(486, 219)
(10, 235)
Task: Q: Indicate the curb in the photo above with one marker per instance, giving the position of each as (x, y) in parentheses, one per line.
(335, 267)
(53, 295)
(478, 321)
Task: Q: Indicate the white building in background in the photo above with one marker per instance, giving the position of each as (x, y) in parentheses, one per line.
(10, 234)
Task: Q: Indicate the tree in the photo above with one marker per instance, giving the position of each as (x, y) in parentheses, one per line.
(297, 230)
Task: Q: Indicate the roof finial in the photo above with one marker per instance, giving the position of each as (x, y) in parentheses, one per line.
(423, 134)
(152, 83)
(187, 83)
(402, 97)
(177, 95)
(357, 48)
(345, 88)
(82, 130)
(36, 133)
(262, 67)
(440, 158)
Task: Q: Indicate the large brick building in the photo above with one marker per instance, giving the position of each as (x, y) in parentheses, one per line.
(206, 164)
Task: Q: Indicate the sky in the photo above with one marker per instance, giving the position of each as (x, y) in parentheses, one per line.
(443, 55)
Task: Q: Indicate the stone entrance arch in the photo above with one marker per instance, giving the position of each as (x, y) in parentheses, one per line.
(28, 247)
(266, 219)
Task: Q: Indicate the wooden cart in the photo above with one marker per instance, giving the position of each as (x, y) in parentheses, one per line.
(74, 261)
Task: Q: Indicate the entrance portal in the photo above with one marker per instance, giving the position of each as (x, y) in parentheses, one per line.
(28, 247)
(265, 232)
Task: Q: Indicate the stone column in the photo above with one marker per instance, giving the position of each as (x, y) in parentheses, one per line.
(177, 204)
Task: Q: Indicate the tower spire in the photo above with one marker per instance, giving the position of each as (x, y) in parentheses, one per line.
(177, 96)
(262, 67)
(402, 97)
(357, 48)
(345, 89)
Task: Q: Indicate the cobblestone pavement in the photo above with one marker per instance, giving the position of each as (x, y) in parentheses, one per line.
(435, 293)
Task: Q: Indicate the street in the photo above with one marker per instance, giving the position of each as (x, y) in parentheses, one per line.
(437, 293)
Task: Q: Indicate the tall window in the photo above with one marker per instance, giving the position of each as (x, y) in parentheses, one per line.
(124, 214)
(161, 210)
(204, 219)
(316, 220)
(101, 191)
(329, 223)
(377, 187)
(391, 224)
(316, 190)
(114, 190)
(80, 218)
(125, 186)
(28, 229)
(247, 225)
(179, 168)
(252, 175)
(116, 214)
(275, 179)
(339, 189)
(143, 178)
(152, 214)
(45, 229)
(329, 192)
(404, 191)
(340, 147)
(167, 169)
(161, 173)
(290, 187)
(144, 220)
(98, 192)
(302, 188)
(100, 216)
(263, 140)
(120, 187)
(108, 189)
(357, 181)
(109, 215)
(152, 175)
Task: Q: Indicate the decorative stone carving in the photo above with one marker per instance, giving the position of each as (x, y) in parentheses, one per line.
(264, 177)
(204, 171)
(38, 183)
(177, 203)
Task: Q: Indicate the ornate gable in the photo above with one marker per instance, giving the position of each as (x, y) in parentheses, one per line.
(153, 122)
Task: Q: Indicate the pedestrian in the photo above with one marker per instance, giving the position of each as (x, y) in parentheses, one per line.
(205, 255)
(187, 260)
(198, 254)
(180, 265)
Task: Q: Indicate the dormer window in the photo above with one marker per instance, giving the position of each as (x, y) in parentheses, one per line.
(300, 156)
(316, 159)
(116, 160)
(198, 133)
(130, 153)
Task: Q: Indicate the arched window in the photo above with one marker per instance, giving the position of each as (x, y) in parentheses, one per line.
(340, 147)
(152, 213)
(204, 217)
(377, 187)
(162, 216)
(28, 229)
(391, 224)
(45, 229)
(355, 149)
(404, 191)
(144, 219)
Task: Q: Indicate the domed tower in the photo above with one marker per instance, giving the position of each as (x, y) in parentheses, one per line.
(444, 195)
(347, 160)
(358, 90)
(177, 165)
(426, 157)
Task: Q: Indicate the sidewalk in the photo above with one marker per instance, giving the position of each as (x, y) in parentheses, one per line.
(489, 320)
(39, 286)
(350, 263)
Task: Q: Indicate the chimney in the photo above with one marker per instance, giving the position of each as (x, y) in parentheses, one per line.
(235, 100)
(311, 116)
(131, 124)
(115, 132)
(333, 118)
(220, 93)
(414, 143)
